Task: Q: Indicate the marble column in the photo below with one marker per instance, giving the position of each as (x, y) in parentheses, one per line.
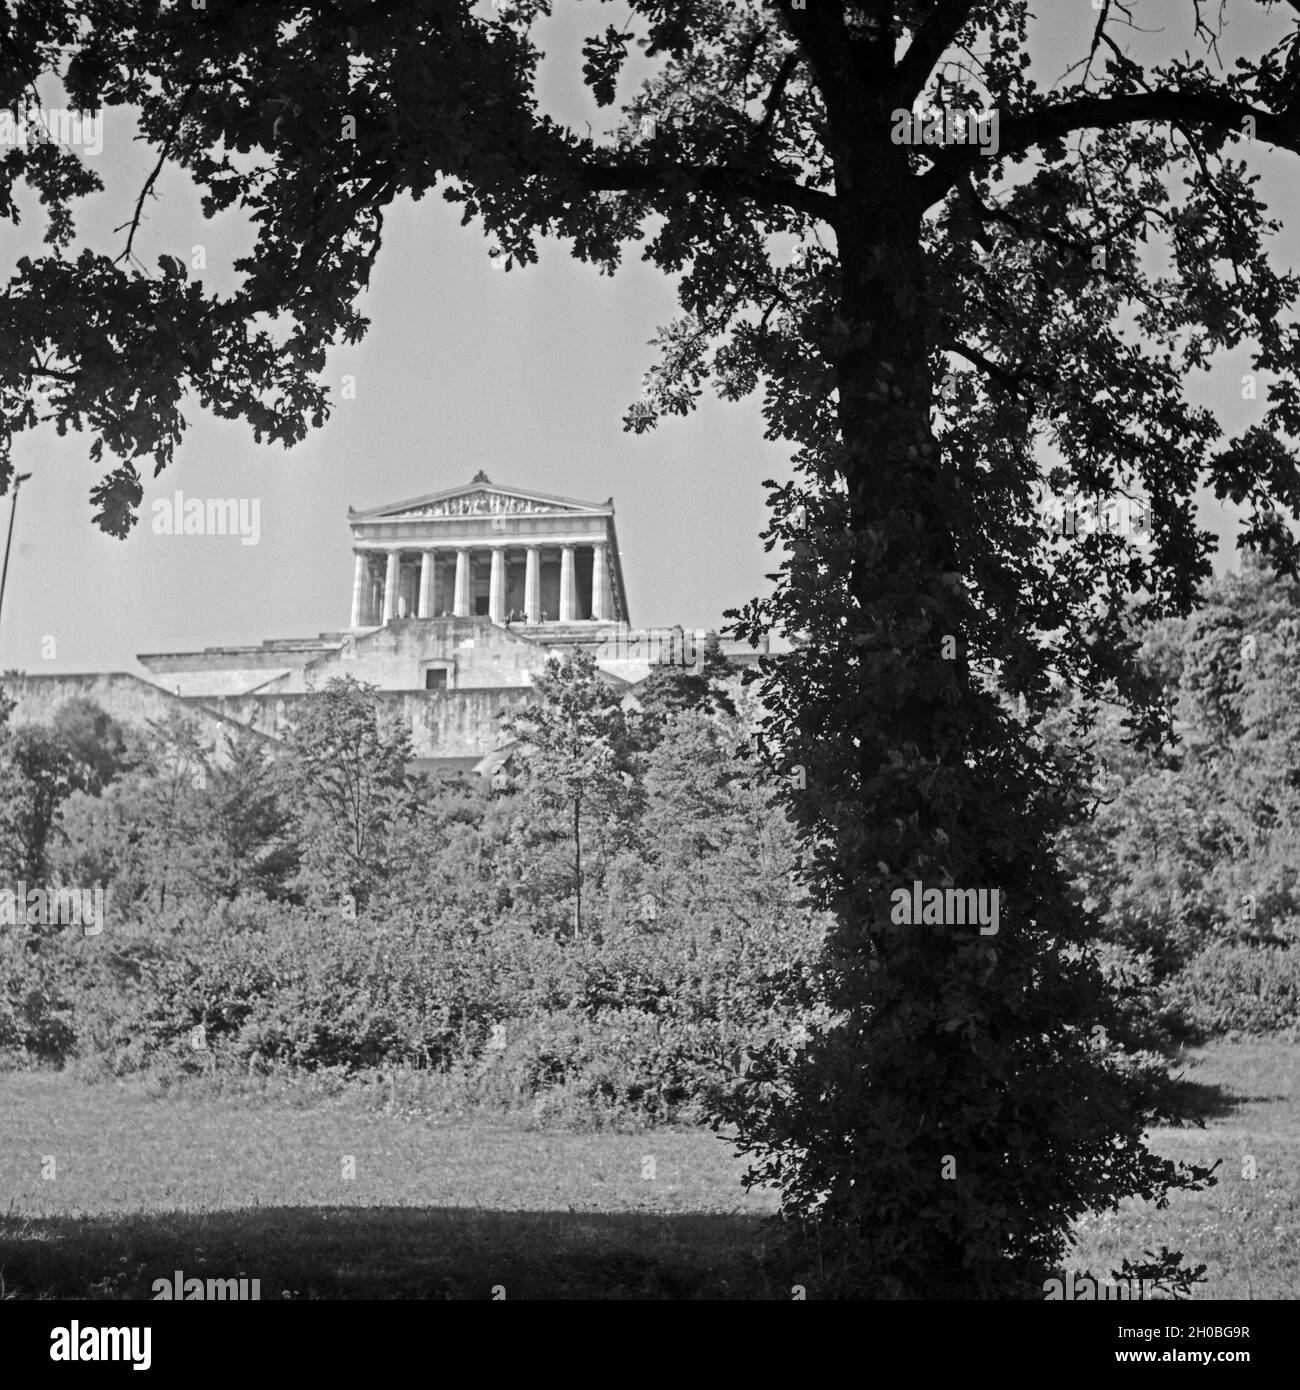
(391, 585)
(599, 583)
(358, 587)
(460, 608)
(532, 586)
(497, 586)
(567, 595)
(425, 609)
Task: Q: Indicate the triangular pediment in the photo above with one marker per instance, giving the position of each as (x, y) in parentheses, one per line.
(479, 499)
(484, 501)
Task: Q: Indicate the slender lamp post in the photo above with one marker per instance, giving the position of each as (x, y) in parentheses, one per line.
(9, 539)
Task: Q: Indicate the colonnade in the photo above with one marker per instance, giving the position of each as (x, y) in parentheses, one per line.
(534, 583)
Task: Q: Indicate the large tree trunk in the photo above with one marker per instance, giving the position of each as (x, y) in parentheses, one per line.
(913, 776)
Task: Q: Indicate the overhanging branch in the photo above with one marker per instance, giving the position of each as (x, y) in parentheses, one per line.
(1019, 134)
(719, 180)
(134, 224)
(1013, 381)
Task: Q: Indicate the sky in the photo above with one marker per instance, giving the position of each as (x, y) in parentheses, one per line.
(522, 374)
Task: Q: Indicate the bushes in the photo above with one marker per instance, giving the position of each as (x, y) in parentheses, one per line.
(1145, 1021)
(569, 1066)
(1228, 988)
(433, 929)
(1238, 989)
(36, 1016)
(623, 1024)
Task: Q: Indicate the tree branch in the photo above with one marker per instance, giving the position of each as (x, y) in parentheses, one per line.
(1018, 134)
(928, 45)
(773, 101)
(660, 178)
(820, 32)
(134, 224)
(1013, 381)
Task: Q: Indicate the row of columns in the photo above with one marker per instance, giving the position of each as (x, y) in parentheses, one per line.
(461, 600)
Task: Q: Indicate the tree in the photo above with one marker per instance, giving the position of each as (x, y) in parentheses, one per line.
(41, 768)
(112, 840)
(99, 746)
(245, 840)
(1194, 846)
(172, 779)
(36, 777)
(578, 753)
(348, 766)
(1211, 672)
(672, 689)
(717, 864)
(93, 343)
(951, 305)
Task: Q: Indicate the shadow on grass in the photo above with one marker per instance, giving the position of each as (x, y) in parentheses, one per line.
(394, 1253)
(1198, 1101)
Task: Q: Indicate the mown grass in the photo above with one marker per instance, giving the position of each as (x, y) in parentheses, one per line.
(230, 1185)
(224, 1186)
(1245, 1230)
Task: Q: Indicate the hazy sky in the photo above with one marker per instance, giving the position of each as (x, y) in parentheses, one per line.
(524, 374)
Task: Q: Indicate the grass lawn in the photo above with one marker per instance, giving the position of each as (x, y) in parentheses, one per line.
(229, 1186)
(223, 1187)
(1246, 1230)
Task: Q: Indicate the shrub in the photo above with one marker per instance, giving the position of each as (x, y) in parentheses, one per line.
(1233, 989)
(632, 1026)
(36, 1015)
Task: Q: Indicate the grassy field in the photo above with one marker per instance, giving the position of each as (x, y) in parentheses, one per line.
(1246, 1230)
(240, 1186)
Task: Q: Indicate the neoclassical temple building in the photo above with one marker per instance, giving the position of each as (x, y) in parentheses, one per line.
(487, 552)
(458, 600)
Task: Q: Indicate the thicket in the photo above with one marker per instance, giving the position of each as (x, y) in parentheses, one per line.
(1190, 856)
(601, 933)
